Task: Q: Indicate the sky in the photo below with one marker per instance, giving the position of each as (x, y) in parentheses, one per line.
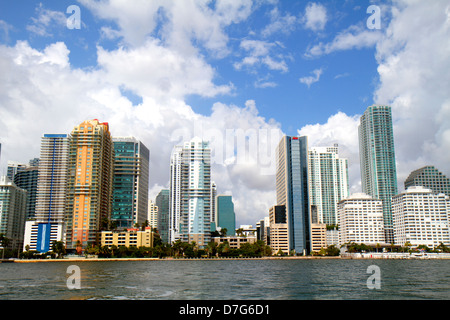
(239, 73)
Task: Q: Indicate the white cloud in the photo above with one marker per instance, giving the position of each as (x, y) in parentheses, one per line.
(312, 79)
(315, 17)
(354, 37)
(279, 23)
(260, 53)
(46, 20)
(340, 129)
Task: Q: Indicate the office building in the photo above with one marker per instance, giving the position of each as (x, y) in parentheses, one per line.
(190, 189)
(421, 217)
(318, 236)
(235, 242)
(130, 183)
(162, 202)
(292, 191)
(377, 160)
(27, 179)
(14, 167)
(51, 196)
(225, 215)
(90, 183)
(360, 219)
(13, 202)
(263, 230)
(279, 229)
(328, 183)
(430, 178)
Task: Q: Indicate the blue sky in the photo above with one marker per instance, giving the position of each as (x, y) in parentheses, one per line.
(154, 68)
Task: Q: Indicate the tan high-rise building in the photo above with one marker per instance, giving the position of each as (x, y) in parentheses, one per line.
(91, 161)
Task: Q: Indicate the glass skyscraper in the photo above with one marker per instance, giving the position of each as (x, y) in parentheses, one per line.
(225, 215)
(430, 178)
(190, 193)
(377, 160)
(130, 184)
(162, 202)
(292, 190)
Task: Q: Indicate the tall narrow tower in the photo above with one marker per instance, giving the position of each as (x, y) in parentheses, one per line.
(90, 183)
(130, 185)
(292, 190)
(377, 157)
(51, 197)
(190, 200)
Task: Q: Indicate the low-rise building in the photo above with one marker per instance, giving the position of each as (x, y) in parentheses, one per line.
(235, 242)
(130, 238)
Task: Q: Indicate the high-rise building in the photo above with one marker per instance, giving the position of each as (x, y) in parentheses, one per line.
(13, 168)
(430, 178)
(130, 184)
(421, 217)
(27, 178)
(360, 219)
(12, 212)
(91, 161)
(292, 190)
(328, 183)
(190, 188)
(152, 216)
(162, 202)
(51, 196)
(279, 230)
(225, 215)
(377, 157)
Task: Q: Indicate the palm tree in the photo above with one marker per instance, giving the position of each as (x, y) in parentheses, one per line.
(58, 248)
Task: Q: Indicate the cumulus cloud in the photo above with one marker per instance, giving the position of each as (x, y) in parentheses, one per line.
(261, 53)
(315, 17)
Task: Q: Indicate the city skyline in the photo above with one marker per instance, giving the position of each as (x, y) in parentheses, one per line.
(297, 68)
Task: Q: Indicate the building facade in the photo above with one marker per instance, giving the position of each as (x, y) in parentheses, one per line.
(225, 215)
(361, 220)
(328, 182)
(48, 223)
(190, 187)
(132, 237)
(421, 217)
(377, 160)
(162, 202)
(91, 161)
(152, 217)
(430, 178)
(130, 182)
(13, 201)
(292, 190)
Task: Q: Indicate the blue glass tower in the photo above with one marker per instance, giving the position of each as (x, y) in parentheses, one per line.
(225, 215)
(292, 190)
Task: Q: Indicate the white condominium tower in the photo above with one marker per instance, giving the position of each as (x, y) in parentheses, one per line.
(53, 175)
(328, 183)
(421, 217)
(190, 193)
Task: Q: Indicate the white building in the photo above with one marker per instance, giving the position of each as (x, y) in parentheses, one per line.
(152, 216)
(360, 220)
(328, 183)
(190, 193)
(53, 176)
(421, 217)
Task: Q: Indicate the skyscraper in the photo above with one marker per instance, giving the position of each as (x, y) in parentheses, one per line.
(90, 183)
(225, 215)
(292, 190)
(328, 183)
(162, 202)
(190, 188)
(430, 178)
(12, 212)
(130, 184)
(27, 179)
(53, 173)
(377, 157)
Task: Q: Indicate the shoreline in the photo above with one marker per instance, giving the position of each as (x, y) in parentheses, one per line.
(350, 257)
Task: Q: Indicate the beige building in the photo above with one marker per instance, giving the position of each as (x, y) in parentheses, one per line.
(279, 236)
(318, 236)
(129, 238)
(235, 242)
(152, 216)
